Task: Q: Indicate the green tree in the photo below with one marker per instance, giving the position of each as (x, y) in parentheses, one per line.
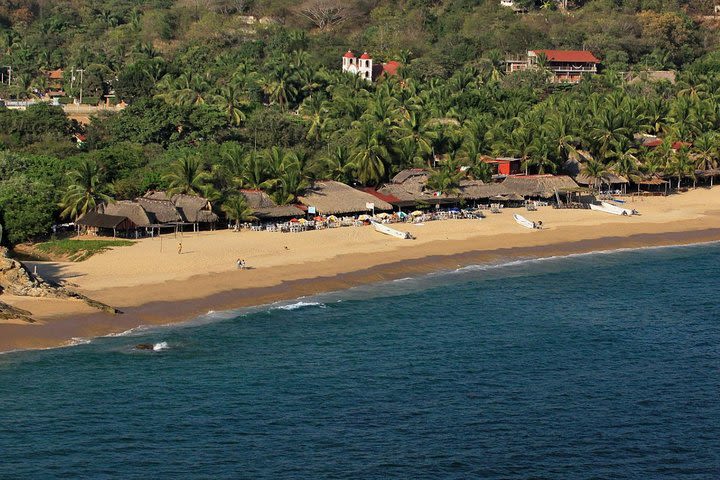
(85, 191)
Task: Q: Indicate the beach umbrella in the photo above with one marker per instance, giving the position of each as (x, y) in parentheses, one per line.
(364, 218)
(402, 214)
(416, 213)
(319, 219)
(302, 220)
(454, 210)
(294, 220)
(383, 215)
(332, 218)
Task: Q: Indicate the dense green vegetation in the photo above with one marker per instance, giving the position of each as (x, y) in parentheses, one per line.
(79, 250)
(218, 101)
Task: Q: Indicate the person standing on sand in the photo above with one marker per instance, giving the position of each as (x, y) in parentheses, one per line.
(179, 248)
(238, 262)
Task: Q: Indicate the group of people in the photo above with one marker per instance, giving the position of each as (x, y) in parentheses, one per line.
(240, 264)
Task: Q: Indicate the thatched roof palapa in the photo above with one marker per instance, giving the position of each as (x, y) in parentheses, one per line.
(132, 210)
(101, 220)
(194, 209)
(477, 190)
(263, 206)
(162, 211)
(541, 186)
(335, 198)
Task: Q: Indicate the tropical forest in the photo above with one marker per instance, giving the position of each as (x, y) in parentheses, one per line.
(209, 97)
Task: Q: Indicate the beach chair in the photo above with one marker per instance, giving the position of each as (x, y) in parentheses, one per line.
(495, 208)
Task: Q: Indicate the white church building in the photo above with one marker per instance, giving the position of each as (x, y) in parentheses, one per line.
(364, 67)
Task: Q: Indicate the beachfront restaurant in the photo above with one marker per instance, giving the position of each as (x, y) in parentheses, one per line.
(329, 197)
(94, 223)
(265, 209)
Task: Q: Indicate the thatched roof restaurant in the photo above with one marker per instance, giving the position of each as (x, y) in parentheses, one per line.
(608, 179)
(407, 189)
(263, 206)
(538, 186)
(335, 198)
(126, 208)
(95, 221)
(161, 211)
(194, 209)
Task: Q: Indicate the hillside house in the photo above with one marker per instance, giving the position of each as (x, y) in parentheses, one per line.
(566, 66)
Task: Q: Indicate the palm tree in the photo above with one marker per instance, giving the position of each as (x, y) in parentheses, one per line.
(236, 208)
(369, 154)
(595, 170)
(187, 176)
(681, 166)
(705, 150)
(85, 191)
(446, 179)
(232, 100)
(626, 165)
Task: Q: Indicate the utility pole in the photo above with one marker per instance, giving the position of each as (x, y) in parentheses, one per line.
(81, 70)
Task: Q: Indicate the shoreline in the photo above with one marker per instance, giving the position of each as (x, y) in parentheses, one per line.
(62, 330)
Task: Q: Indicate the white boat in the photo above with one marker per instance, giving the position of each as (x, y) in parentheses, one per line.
(524, 221)
(379, 227)
(612, 209)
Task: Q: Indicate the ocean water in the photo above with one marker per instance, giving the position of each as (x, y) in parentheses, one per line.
(584, 367)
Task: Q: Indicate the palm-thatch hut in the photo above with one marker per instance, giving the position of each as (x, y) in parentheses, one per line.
(539, 186)
(407, 189)
(161, 211)
(192, 208)
(334, 198)
(476, 190)
(131, 210)
(95, 223)
(264, 208)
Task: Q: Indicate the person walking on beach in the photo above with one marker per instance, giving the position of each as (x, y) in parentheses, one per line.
(238, 262)
(179, 248)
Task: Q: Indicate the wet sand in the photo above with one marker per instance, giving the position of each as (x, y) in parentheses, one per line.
(154, 287)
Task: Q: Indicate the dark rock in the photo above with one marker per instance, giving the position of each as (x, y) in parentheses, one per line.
(15, 279)
(8, 312)
(144, 346)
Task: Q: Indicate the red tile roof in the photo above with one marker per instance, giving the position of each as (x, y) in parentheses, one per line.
(349, 54)
(391, 67)
(580, 56)
(365, 56)
(55, 74)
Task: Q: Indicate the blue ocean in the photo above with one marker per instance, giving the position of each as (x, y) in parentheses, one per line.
(599, 366)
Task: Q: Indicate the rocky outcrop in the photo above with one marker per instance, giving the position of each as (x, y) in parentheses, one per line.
(15, 279)
(8, 312)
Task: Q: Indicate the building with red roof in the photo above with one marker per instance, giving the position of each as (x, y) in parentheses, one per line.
(566, 66)
(365, 67)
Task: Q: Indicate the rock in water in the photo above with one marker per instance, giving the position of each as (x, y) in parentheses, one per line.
(144, 346)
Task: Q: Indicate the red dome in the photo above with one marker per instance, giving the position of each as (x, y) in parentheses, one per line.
(365, 56)
(349, 54)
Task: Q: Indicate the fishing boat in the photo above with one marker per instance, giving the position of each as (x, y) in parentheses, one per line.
(522, 221)
(379, 227)
(612, 209)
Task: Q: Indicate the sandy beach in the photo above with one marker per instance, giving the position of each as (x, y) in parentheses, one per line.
(153, 284)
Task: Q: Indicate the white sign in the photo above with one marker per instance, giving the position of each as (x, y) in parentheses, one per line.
(370, 206)
(311, 210)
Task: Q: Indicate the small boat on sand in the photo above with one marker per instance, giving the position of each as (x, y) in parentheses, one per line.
(379, 227)
(612, 209)
(524, 222)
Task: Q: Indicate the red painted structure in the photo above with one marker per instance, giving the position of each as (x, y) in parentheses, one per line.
(504, 165)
